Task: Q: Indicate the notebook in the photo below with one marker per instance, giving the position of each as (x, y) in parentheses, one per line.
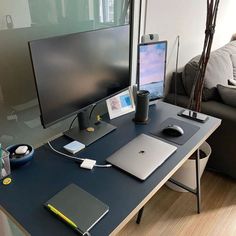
(142, 155)
(77, 208)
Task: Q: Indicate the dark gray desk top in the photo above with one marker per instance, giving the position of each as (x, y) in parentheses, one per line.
(48, 173)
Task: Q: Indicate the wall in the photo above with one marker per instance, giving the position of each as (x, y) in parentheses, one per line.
(187, 19)
(17, 10)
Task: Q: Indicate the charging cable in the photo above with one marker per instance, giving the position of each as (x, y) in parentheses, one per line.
(86, 163)
(64, 154)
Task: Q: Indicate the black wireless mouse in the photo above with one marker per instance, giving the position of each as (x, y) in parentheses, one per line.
(173, 130)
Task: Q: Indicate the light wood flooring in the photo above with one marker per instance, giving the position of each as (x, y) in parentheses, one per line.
(170, 213)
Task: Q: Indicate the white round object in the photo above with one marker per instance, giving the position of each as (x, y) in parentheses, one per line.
(21, 150)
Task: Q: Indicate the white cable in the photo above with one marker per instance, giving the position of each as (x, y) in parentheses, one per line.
(76, 158)
(64, 154)
(103, 166)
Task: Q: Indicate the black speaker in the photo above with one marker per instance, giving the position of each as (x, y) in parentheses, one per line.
(142, 107)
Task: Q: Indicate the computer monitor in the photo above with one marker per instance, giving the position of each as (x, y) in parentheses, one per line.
(75, 71)
(152, 68)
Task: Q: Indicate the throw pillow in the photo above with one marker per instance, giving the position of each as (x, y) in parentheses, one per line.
(189, 74)
(232, 82)
(233, 58)
(210, 94)
(228, 94)
(219, 69)
(230, 47)
(179, 85)
(188, 79)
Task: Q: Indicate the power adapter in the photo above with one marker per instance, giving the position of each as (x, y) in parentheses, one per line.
(74, 147)
(88, 164)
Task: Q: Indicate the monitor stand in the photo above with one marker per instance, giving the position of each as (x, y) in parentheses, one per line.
(87, 134)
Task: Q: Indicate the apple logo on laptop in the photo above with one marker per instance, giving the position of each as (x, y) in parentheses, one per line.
(141, 152)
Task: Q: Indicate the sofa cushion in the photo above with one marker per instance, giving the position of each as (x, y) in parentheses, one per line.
(189, 74)
(230, 47)
(228, 94)
(233, 58)
(217, 109)
(219, 70)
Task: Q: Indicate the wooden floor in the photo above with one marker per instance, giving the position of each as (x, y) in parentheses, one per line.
(172, 213)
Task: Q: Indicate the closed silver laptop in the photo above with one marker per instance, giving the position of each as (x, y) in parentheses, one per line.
(142, 155)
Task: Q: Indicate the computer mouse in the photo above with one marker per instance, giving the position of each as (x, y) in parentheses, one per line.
(173, 130)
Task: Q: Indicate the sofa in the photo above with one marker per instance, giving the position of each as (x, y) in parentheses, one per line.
(219, 100)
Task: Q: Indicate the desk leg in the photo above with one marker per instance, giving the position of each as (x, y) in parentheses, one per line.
(198, 189)
(140, 213)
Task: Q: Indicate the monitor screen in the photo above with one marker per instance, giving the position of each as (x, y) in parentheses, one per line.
(152, 68)
(75, 71)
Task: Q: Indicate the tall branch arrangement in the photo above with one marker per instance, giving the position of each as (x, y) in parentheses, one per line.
(196, 93)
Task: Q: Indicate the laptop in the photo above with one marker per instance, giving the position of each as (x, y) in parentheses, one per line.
(142, 155)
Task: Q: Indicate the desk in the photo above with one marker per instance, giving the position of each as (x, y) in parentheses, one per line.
(48, 173)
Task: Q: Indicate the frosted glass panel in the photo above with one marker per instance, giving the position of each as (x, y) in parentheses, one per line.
(25, 20)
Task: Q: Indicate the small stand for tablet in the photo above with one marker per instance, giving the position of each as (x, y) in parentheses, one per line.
(193, 115)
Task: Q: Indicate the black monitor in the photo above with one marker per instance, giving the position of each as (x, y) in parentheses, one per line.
(152, 68)
(75, 71)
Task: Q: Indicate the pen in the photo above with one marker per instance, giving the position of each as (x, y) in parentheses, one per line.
(54, 210)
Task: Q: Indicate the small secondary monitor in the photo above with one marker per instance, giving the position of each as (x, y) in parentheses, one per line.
(152, 68)
(75, 71)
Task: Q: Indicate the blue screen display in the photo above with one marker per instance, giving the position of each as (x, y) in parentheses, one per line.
(152, 68)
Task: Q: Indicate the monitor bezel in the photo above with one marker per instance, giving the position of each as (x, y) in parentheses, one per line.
(138, 69)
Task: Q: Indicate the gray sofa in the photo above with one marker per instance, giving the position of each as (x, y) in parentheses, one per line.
(219, 100)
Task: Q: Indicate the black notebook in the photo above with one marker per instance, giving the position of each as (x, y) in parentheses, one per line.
(77, 207)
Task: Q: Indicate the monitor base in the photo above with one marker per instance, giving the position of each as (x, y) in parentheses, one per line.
(90, 135)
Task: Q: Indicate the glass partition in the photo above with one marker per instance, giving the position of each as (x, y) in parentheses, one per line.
(25, 20)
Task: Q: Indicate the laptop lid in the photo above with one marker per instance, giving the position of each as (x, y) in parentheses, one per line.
(142, 155)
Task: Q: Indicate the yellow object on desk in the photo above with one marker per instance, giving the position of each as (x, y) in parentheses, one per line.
(90, 129)
(63, 217)
(6, 181)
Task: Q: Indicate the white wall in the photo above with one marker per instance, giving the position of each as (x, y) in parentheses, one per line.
(19, 12)
(186, 18)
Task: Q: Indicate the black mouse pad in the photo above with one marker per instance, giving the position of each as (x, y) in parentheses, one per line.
(189, 131)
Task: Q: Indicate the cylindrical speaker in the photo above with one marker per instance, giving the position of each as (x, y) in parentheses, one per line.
(83, 118)
(142, 107)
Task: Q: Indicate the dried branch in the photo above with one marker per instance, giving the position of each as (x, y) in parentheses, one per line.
(196, 93)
